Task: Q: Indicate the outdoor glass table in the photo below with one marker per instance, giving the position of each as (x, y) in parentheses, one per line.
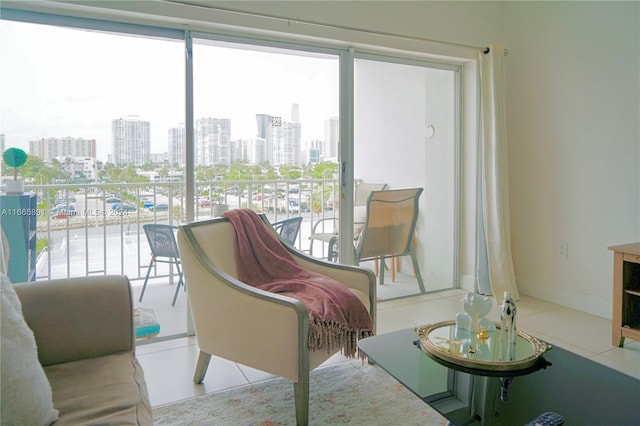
(582, 391)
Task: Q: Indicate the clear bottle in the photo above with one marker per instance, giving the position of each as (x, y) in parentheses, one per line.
(508, 328)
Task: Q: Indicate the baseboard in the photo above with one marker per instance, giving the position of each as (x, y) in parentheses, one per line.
(586, 303)
(468, 283)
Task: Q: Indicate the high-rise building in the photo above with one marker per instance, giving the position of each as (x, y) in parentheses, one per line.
(159, 158)
(1, 143)
(265, 124)
(251, 150)
(176, 145)
(331, 138)
(287, 144)
(131, 137)
(283, 139)
(50, 148)
(213, 141)
(313, 151)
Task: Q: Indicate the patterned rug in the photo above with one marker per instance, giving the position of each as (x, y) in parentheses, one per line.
(347, 393)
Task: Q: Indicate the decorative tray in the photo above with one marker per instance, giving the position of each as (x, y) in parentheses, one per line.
(481, 351)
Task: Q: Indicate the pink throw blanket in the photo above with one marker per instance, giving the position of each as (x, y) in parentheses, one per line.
(337, 318)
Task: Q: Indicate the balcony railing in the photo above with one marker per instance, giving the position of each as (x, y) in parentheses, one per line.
(97, 228)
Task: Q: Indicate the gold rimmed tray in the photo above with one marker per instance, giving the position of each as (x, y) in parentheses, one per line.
(481, 351)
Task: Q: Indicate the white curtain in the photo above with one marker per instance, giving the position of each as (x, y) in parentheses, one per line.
(495, 265)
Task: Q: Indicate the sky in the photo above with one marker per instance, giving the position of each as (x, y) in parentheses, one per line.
(58, 82)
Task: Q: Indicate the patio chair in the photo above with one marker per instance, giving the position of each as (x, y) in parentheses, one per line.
(389, 229)
(288, 229)
(330, 237)
(164, 249)
(256, 328)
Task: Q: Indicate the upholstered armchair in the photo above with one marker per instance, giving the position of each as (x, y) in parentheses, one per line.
(249, 326)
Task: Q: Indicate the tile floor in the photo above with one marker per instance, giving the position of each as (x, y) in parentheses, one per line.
(169, 365)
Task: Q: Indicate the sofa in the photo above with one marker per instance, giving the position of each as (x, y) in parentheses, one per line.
(85, 340)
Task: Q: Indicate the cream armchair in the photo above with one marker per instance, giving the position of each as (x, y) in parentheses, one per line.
(243, 324)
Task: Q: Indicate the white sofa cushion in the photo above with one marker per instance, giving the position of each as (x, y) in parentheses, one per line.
(26, 392)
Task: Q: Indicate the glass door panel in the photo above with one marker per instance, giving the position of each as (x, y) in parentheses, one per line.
(267, 116)
(405, 136)
(92, 109)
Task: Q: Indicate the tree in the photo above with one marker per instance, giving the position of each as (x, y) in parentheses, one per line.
(163, 172)
(39, 172)
(148, 166)
(325, 170)
(114, 173)
(290, 172)
(204, 174)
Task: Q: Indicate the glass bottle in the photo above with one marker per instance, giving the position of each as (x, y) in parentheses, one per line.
(508, 328)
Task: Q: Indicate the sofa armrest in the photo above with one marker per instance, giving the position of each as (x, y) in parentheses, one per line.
(79, 318)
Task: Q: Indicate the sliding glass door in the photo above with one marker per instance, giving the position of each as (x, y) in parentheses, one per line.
(114, 94)
(405, 136)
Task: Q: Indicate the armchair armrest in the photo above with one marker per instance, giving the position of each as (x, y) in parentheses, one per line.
(354, 277)
(321, 222)
(79, 318)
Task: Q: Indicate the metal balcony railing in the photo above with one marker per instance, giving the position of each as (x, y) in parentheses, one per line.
(97, 228)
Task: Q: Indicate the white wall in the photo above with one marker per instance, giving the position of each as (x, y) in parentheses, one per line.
(574, 145)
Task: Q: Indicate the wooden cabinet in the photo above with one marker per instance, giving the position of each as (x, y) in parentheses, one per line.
(19, 214)
(626, 293)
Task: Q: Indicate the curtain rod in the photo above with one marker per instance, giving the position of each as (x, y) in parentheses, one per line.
(320, 24)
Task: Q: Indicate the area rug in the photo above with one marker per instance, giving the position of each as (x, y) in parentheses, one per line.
(348, 393)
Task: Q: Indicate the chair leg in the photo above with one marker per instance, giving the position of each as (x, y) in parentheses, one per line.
(417, 271)
(332, 250)
(175, 294)
(382, 267)
(144, 286)
(201, 367)
(394, 268)
(301, 395)
(180, 283)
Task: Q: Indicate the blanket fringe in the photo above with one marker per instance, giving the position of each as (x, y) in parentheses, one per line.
(331, 336)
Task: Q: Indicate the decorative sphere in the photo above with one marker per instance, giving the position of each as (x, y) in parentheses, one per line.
(14, 157)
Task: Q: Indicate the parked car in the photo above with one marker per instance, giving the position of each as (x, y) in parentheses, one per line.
(112, 200)
(62, 211)
(123, 207)
(204, 202)
(294, 207)
(60, 201)
(147, 204)
(159, 208)
(63, 203)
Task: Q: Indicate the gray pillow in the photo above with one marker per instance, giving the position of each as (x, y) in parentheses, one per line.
(26, 392)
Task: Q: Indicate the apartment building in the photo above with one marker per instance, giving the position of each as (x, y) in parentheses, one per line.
(49, 148)
(131, 141)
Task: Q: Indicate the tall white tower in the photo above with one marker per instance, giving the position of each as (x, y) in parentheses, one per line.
(176, 145)
(213, 141)
(331, 138)
(131, 138)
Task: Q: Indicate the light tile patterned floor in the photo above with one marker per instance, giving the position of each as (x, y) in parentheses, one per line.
(169, 365)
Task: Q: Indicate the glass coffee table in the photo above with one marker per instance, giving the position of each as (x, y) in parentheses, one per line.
(582, 391)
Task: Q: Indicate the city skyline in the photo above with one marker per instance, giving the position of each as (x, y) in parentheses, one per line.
(118, 75)
(277, 142)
